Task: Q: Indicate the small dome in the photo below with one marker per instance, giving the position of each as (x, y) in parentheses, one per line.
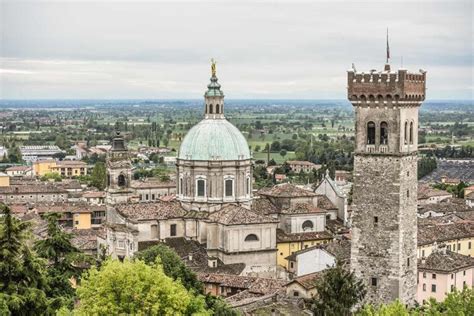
(214, 139)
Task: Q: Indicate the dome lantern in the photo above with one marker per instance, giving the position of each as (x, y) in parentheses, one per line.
(214, 97)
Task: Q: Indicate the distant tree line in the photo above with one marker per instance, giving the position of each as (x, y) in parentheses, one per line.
(426, 165)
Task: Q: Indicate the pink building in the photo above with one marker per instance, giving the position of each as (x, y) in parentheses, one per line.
(442, 272)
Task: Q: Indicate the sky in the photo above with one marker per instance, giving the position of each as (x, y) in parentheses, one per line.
(264, 49)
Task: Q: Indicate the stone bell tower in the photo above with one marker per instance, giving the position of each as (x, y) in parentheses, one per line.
(119, 172)
(384, 224)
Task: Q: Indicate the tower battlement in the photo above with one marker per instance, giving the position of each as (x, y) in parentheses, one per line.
(386, 87)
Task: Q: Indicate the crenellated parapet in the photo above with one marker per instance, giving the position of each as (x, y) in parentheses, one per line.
(387, 88)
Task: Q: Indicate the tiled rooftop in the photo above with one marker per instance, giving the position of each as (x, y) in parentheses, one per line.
(152, 210)
(428, 234)
(152, 183)
(237, 215)
(286, 190)
(284, 237)
(445, 261)
(308, 281)
(32, 188)
(425, 192)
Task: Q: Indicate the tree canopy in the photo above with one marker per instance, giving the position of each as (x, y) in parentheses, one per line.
(133, 287)
(172, 264)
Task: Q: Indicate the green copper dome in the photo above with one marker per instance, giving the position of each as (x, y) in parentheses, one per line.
(214, 139)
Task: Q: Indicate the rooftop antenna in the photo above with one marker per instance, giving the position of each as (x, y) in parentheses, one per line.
(388, 48)
(354, 67)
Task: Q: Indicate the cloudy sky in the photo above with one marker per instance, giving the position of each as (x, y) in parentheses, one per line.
(269, 49)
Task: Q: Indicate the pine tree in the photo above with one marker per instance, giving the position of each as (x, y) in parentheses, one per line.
(22, 275)
(65, 261)
(337, 292)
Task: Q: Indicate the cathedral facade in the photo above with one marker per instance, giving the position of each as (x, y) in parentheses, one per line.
(213, 204)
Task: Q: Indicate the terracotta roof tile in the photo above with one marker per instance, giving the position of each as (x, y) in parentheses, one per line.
(286, 190)
(445, 261)
(308, 281)
(428, 234)
(238, 215)
(284, 237)
(152, 210)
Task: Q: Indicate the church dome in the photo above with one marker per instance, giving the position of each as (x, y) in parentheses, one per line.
(214, 139)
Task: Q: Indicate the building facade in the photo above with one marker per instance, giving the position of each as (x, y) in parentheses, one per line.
(384, 221)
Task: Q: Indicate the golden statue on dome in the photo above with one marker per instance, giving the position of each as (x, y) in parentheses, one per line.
(213, 67)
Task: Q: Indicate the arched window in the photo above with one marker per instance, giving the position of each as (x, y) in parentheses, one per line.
(406, 133)
(121, 180)
(383, 133)
(229, 187)
(411, 132)
(251, 237)
(307, 225)
(180, 186)
(248, 186)
(211, 108)
(371, 133)
(217, 108)
(201, 187)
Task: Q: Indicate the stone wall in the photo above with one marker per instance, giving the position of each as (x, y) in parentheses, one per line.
(384, 226)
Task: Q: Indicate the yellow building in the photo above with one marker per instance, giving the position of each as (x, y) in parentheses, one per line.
(66, 169)
(287, 244)
(42, 167)
(82, 220)
(4, 180)
(75, 215)
(457, 236)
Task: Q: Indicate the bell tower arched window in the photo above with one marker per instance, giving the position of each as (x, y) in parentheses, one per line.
(121, 181)
(371, 133)
(383, 133)
(411, 132)
(217, 108)
(211, 108)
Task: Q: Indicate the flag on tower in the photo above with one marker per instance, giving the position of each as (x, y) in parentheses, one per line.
(388, 48)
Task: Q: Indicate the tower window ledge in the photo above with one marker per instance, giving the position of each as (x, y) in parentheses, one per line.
(383, 148)
(370, 148)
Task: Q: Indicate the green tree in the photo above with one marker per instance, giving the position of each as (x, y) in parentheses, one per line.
(22, 275)
(56, 177)
(283, 153)
(64, 261)
(14, 154)
(172, 265)
(99, 176)
(456, 303)
(132, 288)
(392, 309)
(338, 291)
